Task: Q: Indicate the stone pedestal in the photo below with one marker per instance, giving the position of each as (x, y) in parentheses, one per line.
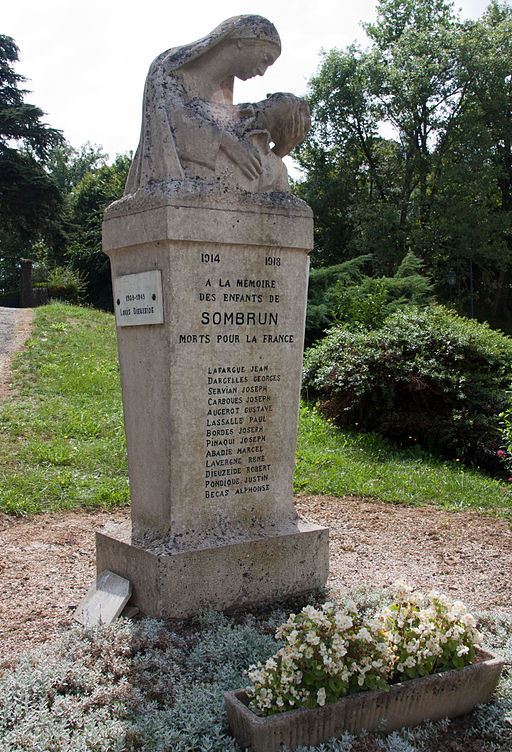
(210, 302)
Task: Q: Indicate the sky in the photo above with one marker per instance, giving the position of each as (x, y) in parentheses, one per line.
(86, 60)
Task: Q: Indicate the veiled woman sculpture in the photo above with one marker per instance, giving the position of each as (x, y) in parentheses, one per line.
(191, 130)
(207, 207)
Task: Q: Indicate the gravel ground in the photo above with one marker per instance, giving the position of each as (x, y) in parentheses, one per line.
(464, 554)
(14, 330)
(47, 561)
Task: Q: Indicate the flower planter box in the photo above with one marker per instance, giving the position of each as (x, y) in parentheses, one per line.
(445, 695)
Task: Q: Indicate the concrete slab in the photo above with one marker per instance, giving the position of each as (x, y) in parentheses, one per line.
(105, 600)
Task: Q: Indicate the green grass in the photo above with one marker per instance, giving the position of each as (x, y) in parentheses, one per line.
(331, 461)
(63, 437)
(63, 440)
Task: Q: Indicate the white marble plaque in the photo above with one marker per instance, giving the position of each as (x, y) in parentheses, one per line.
(138, 299)
(104, 601)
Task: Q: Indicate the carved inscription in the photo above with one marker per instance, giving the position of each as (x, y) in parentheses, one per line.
(243, 334)
(240, 404)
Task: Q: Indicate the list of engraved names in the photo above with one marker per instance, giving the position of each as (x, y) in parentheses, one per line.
(240, 406)
(244, 333)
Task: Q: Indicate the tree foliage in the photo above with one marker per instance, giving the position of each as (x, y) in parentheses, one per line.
(52, 195)
(88, 200)
(29, 198)
(68, 165)
(30, 201)
(410, 149)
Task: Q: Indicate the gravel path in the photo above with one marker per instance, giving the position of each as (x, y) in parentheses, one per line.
(47, 561)
(14, 330)
(465, 555)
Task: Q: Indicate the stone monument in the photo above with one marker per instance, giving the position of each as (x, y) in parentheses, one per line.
(209, 257)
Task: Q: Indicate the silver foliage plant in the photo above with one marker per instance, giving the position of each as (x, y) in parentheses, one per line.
(145, 686)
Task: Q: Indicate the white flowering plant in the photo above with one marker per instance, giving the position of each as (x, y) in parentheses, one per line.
(327, 653)
(332, 651)
(428, 632)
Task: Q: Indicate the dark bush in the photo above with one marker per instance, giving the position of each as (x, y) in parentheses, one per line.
(427, 375)
(67, 293)
(10, 299)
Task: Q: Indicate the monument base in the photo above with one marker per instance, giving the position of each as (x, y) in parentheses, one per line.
(182, 584)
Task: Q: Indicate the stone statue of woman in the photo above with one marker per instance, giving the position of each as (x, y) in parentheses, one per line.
(194, 134)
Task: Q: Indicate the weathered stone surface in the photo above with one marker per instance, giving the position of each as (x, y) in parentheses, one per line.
(130, 612)
(211, 379)
(105, 599)
(210, 398)
(445, 695)
(191, 129)
(181, 584)
(210, 402)
(267, 219)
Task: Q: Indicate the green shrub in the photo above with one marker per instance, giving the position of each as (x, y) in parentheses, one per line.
(369, 303)
(324, 293)
(505, 452)
(427, 375)
(66, 284)
(373, 299)
(344, 294)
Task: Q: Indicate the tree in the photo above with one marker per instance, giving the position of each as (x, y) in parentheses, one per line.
(324, 292)
(410, 83)
(30, 201)
(471, 217)
(489, 60)
(421, 84)
(344, 293)
(439, 182)
(29, 198)
(345, 159)
(68, 165)
(88, 200)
